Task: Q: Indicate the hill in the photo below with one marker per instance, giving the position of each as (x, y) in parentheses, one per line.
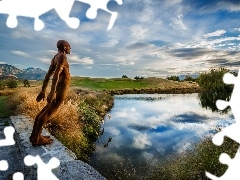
(29, 73)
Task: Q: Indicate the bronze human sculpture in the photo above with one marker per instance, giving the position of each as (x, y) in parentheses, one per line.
(59, 69)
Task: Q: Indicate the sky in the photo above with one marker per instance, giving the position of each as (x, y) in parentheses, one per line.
(150, 38)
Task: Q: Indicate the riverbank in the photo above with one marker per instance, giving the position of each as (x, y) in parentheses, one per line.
(76, 123)
(174, 90)
(152, 85)
(87, 103)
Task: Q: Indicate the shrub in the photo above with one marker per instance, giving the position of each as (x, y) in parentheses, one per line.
(213, 80)
(189, 78)
(11, 83)
(124, 76)
(173, 78)
(137, 77)
(26, 83)
(2, 85)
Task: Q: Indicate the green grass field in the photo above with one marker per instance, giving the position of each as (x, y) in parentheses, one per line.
(122, 83)
(4, 111)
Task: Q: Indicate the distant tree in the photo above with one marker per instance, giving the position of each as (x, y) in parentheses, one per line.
(124, 76)
(11, 83)
(173, 78)
(2, 85)
(26, 83)
(189, 78)
(137, 77)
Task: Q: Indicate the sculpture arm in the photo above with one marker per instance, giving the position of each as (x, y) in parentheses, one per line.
(47, 77)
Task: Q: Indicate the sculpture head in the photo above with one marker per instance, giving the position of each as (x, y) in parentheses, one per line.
(63, 46)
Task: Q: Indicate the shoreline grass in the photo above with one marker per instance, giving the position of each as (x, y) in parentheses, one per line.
(77, 121)
(194, 163)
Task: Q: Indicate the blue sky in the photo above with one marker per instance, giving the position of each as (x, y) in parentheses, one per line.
(149, 38)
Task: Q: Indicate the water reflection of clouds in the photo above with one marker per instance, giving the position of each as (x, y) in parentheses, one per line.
(141, 141)
(142, 128)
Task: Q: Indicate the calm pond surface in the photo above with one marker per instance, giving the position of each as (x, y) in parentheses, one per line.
(144, 129)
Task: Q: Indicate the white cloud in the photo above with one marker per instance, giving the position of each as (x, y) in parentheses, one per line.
(147, 156)
(22, 33)
(111, 43)
(88, 67)
(141, 140)
(123, 61)
(172, 2)
(21, 54)
(75, 59)
(178, 23)
(236, 29)
(139, 32)
(216, 33)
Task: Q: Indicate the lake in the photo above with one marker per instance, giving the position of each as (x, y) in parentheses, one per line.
(145, 129)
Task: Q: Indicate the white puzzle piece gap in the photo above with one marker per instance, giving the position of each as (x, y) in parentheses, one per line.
(232, 131)
(8, 131)
(44, 170)
(36, 8)
(3, 165)
(18, 176)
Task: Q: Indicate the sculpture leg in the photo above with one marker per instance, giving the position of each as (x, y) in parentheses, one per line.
(37, 138)
(36, 121)
(61, 93)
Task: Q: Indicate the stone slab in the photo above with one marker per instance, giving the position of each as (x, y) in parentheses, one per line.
(70, 167)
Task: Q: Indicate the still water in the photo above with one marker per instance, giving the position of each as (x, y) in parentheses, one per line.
(144, 129)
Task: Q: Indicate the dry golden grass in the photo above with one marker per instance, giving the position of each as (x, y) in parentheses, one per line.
(7, 92)
(67, 123)
(64, 123)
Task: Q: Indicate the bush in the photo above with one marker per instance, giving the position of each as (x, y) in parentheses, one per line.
(189, 78)
(124, 76)
(213, 80)
(26, 83)
(137, 77)
(173, 78)
(2, 85)
(11, 83)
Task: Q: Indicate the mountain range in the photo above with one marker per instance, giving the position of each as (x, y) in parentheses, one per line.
(29, 73)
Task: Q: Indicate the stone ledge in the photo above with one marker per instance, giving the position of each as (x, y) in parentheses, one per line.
(69, 169)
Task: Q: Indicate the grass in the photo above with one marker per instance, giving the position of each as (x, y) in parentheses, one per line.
(5, 111)
(193, 164)
(123, 83)
(77, 121)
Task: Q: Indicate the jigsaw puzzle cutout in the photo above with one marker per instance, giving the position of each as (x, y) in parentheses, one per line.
(3, 165)
(8, 133)
(231, 131)
(36, 8)
(18, 176)
(8, 141)
(44, 170)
